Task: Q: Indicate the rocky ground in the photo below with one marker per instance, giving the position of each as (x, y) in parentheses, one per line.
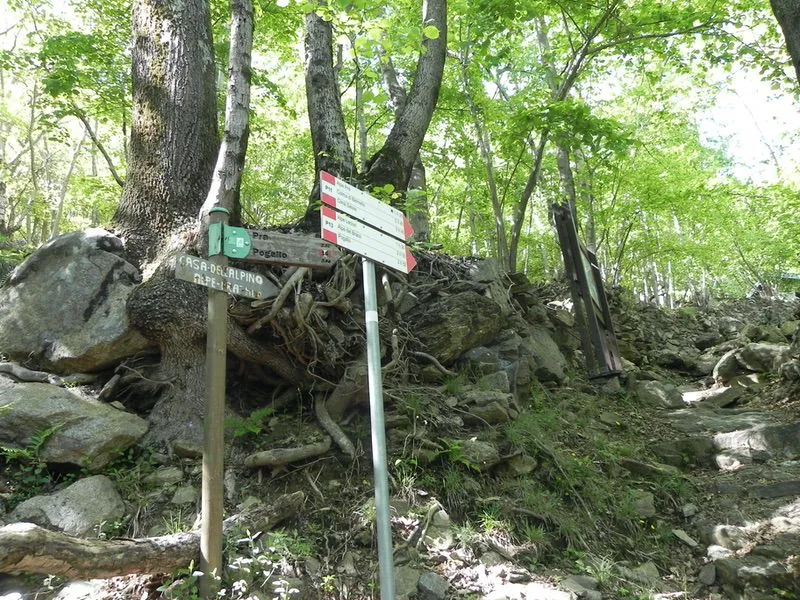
(511, 475)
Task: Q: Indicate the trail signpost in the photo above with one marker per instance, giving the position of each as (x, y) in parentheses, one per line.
(251, 245)
(355, 220)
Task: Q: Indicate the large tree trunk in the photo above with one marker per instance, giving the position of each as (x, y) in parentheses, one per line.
(787, 12)
(174, 129)
(172, 160)
(329, 139)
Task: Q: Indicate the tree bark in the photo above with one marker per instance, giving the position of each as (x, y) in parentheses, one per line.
(419, 216)
(393, 162)
(174, 130)
(329, 139)
(28, 548)
(787, 12)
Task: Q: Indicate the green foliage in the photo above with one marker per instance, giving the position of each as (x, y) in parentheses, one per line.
(251, 425)
(29, 473)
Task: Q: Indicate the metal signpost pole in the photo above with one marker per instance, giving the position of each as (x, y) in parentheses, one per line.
(214, 449)
(385, 556)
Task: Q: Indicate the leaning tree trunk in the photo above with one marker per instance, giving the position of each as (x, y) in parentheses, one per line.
(419, 213)
(174, 129)
(394, 161)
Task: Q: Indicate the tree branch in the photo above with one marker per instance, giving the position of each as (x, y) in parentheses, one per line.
(98, 144)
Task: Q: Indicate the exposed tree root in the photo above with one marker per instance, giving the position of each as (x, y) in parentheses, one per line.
(432, 359)
(279, 457)
(22, 374)
(280, 300)
(332, 428)
(28, 548)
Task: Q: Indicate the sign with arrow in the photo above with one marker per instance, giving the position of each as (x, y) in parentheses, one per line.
(291, 249)
(362, 239)
(348, 199)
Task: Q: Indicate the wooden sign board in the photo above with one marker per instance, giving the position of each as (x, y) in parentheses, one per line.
(291, 249)
(232, 281)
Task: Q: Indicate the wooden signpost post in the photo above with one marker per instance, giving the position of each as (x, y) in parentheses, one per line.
(226, 242)
(355, 220)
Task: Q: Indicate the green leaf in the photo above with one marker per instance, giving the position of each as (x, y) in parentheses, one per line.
(431, 32)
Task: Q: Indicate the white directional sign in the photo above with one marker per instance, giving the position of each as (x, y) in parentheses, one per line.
(230, 280)
(348, 199)
(344, 231)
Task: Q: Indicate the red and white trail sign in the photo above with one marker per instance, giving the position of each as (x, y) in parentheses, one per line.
(348, 199)
(362, 239)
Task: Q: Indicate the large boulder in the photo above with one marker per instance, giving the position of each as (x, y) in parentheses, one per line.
(546, 361)
(450, 326)
(762, 357)
(63, 308)
(81, 432)
(658, 394)
(80, 509)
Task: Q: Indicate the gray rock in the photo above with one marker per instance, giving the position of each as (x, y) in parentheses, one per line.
(83, 275)
(679, 359)
(789, 328)
(658, 394)
(526, 591)
(687, 452)
(164, 476)
(86, 433)
(490, 558)
(705, 341)
(776, 440)
(432, 586)
(643, 504)
(729, 326)
(497, 382)
(582, 586)
(405, 581)
(520, 465)
(493, 413)
(709, 419)
(449, 326)
(79, 509)
(650, 470)
(790, 371)
(689, 510)
(685, 538)
(776, 490)
(186, 494)
(707, 575)
(478, 454)
(485, 397)
(726, 368)
(481, 360)
(763, 357)
(756, 571)
(646, 573)
(546, 361)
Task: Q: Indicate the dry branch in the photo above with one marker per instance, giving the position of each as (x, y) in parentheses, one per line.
(28, 548)
(278, 457)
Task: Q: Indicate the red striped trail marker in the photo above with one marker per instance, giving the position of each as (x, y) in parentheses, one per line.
(348, 199)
